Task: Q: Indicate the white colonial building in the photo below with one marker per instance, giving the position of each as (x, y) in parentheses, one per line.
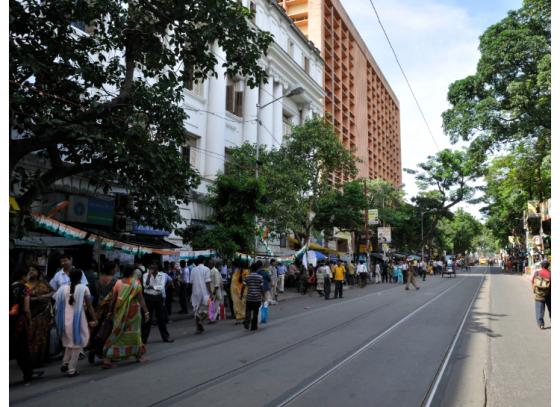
(223, 111)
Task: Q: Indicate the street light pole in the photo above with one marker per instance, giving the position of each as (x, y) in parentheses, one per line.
(296, 91)
(422, 232)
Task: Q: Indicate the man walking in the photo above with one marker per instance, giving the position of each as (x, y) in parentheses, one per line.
(338, 279)
(410, 277)
(62, 276)
(154, 290)
(377, 273)
(362, 273)
(542, 290)
(351, 273)
(281, 269)
(422, 268)
(184, 280)
(273, 281)
(217, 286)
(254, 284)
(201, 292)
(266, 279)
(326, 270)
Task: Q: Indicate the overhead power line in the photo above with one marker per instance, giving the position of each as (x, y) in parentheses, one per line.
(405, 77)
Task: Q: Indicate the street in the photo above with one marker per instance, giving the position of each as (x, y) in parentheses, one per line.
(380, 345)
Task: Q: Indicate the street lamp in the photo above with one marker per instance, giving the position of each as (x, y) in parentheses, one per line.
(294, 92)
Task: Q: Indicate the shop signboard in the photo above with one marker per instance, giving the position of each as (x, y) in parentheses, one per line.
(384, 234)
(373, 217)
(533, 209)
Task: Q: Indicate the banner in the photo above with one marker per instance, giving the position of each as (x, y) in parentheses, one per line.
(533, 209)
(384, 234)
(71, 232)
(373, 217)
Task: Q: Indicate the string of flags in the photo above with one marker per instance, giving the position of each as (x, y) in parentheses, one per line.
(73, 233)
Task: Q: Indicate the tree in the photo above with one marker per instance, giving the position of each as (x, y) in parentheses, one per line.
(510, 183)
(108, 104)
(342, 208)
(444, 180)
(507, 102)
(297, 193)
(301, 167)
(235, 201)
(459, 234)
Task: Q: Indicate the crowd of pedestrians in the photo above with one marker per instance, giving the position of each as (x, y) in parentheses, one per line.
(108, 315)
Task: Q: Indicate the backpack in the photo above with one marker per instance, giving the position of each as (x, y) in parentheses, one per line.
(541, 286)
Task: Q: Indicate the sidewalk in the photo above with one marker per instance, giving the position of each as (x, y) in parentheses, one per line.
(503, 358)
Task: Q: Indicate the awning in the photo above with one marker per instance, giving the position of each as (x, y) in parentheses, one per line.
(43, 242)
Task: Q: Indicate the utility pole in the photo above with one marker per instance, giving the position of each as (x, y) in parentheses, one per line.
(422, 233)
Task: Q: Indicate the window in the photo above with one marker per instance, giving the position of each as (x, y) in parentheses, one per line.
(192, 85)
(234, 97)
(227, 159)
(306, 64)
(188, 149)
(286, 124)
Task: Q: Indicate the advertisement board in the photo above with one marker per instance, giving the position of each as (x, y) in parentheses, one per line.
(373, 217)
(384, 234)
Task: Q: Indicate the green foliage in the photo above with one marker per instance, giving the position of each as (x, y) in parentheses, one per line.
(505, 108)
(235, 201)
(511, 180)
(301, 166)
(343, 209)
(108, 104)
(459, 234)
(508, 98)
(295, 183)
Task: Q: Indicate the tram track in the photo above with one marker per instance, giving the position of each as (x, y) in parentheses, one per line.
(192, 390)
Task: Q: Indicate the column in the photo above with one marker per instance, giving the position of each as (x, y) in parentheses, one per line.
(266, 93)
(215, 127)
(250, 100)
(278, 115)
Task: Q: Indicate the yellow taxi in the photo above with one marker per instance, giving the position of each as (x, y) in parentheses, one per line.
(483, 261)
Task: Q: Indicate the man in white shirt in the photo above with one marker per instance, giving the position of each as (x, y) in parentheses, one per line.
(201, 292)
(362, 273)
(377, 273)
(154, 294)
(184, 280)
(216, 286)
(405, 271)
(62, 276)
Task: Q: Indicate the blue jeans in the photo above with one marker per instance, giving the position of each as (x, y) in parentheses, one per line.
(539, 309)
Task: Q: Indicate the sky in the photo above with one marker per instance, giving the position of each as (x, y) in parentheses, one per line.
(437, 43)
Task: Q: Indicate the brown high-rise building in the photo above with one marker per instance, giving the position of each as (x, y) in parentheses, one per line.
(362, 106)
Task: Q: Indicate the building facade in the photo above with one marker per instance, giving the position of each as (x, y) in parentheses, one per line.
(223, 111)
(358, 99)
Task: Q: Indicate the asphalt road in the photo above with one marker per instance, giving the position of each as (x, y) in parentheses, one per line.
(378, 346)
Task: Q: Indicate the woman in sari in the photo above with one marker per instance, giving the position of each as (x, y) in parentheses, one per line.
(71, 304)
(104, 288)
(237, 278)
(41, 315)
(125, 340)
